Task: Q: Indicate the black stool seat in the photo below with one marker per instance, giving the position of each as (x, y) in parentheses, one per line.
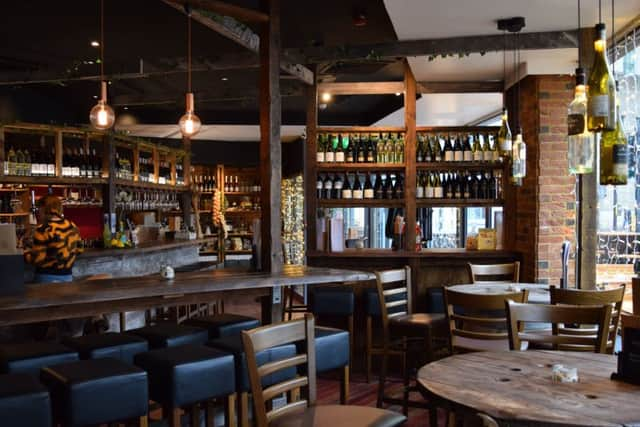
(187, 374)
(336, 301)
(224, 324)
(98, 346)
(233, 345)
(332, 348)
(31, 357)
(24, 402)
(170, 334)
(96, 391)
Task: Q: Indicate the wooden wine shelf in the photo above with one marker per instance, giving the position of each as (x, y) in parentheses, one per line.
(459, 165)
(421, 203)
(242, 252)
(150, 185)
(360, 129)
(239, 234)
(241, 193)
(383, 203)
(35, 181)
(13, 215)
(242, 212)
(360, 166)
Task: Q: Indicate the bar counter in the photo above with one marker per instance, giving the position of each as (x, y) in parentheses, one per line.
(86, 298)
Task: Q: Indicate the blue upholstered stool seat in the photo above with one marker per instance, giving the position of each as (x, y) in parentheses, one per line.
(333, 301)
(332, 348)
(224, 324)
(118, 346)
(96, 391)
(23, 402)
(31, 357)
(170, 334)
(187, 374)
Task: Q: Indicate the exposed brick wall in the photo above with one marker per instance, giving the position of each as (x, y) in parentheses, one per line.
(545, 204)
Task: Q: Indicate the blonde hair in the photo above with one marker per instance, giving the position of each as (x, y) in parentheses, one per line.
(50, 205)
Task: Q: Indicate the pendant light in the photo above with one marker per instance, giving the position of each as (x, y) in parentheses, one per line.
(101, 115)
(519, 148)
(581, 148)
(189, 123)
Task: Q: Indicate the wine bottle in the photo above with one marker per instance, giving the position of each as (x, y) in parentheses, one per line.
(379, 187)
(362, 155)
(478, 156)
(438, 190)
(614, 153)
(601, 100)
(579, 140)
(346, 145)
(399, 149)
(467, 153)
(51, 166)
(457, 186)
(420, 148)
(337, 187)
(474, 186)
(355, 146)
(368, 188)
(399, 187)
(437, 153)
(428, 153)
(380, 149)
(420, 186)
(504, 135)
(447, 150)
(493, 188)
(428, 187)
(329, 152)
(519, 157)
(357, 187)
(388, 149)
(27, 162)
(82, 169)
(12, 162)
(339, 156)
(328, 187)
(466, 190)
(390, 183)
(347, 191)
(458, 151)
(320, 149)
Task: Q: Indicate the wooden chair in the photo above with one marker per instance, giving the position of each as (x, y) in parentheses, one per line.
(612, 297)
(494, 273)
(300, 412)
(518, 314)
(477, 322)
(402, 327)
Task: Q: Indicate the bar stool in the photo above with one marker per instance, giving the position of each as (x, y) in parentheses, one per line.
(335, 301)
(223, 324)
(98, 391)
(115, 345)
(23, 401)
(187, 375)
(31, 357)
(233, 345)
(168, 334)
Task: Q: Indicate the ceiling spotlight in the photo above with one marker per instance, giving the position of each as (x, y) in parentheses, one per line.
(95, 96)
(398, 93)
(326, 97)
(95, 43)
(125, 108)
(224, 79)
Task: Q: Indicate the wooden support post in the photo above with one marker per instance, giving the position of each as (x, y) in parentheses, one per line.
(587, 203)
(310, 170)
(2, 156)
(110, 204)
(270, 145)
(59, 153)
(410, 174)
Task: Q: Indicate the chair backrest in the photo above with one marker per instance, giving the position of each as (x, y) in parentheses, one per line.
(394, 295)
(485, 273)
(256, 340)
(612, 297)
(519, 314)
(478, 316)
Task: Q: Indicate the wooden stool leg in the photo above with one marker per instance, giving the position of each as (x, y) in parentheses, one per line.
(344, 386)
(383, 376)
(143, 421)
(243, 409)
(350, 329)
(294, 395)
(123, 321)
(229, 411)
(174, 417)
(210, 415)
(433, 416)
(195, 415)
(407, 379)
(368, 347)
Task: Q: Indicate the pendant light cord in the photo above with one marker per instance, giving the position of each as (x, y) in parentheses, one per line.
(189, 49)
(613, 38)
(579, 38)
(102, 40)
(600, 10)
(518, 79)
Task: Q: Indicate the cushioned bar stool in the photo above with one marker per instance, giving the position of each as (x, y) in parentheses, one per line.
(99, 346)
(187, 375)
(31, 357)
(332, 353)
(97, 391)
(23, 401)
(334, 302)
(233, 345)
(223, 324)
(168, 334)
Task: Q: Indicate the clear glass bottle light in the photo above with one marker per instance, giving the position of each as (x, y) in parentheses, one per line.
(519, 157)
(580, 141)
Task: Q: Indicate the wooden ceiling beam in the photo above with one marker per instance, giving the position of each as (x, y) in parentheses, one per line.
(361, 88)
(226, 9)
(460, 87)
(436, 47)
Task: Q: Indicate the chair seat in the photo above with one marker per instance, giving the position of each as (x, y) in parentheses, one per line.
(96, 391)
(233, 345)
(31, 357)
(417, 323)
(187, 374)
(332, 348)
(340, 416)
(463, 344)
(23, 401)
(115, 345)
(333, 301)
(168, 334)
(224, 324)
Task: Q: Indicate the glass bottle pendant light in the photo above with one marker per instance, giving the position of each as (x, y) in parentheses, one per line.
(519, 157)
(101, 115)
(189, 123)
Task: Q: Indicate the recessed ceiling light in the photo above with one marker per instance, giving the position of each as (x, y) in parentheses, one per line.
(125, 108)
(95, 96)
(95, 43)
(224, 79)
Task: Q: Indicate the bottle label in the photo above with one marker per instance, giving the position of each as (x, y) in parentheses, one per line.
(320, 157)
(337, 185)
(328, 185)
(477, 156)
(468, 156)
(496, 156)
(505, 145)
(368, 193)
(437, 193)
(448, 156)
(420, 192)
(458, 156)
(340, 156)
(575, 124)
(620, 159)
(599, 106)
(329, 156)
(357, 194)
(428, 192)
(346, 193)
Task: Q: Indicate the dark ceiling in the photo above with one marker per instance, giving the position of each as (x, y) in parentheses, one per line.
(52, 39)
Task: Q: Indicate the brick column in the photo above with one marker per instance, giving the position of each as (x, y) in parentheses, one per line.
(544, 207)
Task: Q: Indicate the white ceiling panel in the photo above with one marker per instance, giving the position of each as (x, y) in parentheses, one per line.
(210, 132)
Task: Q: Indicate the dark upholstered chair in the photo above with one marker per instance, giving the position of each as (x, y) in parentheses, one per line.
(168, 334)
(223, 324)
(114, 345)
(24, 401)
(31, 357)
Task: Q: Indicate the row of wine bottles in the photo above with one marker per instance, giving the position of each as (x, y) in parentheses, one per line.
(357, 186)
(78, 163)
(459, 185)
(22, 163)
(245, 185)
(360, 148)
(461, 147)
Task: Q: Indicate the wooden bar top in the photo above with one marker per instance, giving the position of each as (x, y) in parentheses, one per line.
(458, 253)
(147, 247)
(79, 298)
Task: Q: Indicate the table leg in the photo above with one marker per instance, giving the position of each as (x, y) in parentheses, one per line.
(272, 306)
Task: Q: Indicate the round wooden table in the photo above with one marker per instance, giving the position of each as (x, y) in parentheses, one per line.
(515, 388)
(538, 293)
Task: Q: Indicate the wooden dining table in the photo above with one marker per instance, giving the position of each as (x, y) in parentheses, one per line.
(538, 292)
(516, 388)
